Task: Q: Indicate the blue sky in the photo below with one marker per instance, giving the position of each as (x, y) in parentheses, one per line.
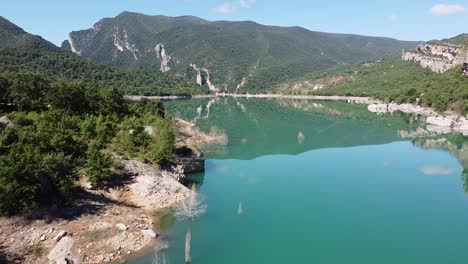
(407, 20)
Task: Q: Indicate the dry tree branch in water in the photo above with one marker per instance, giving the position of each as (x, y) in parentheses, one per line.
(191, 208)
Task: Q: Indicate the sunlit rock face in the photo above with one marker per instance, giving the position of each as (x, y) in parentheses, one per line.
(437, 57)
(437, 123)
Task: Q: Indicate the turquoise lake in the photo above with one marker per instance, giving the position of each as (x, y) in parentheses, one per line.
(322, 182)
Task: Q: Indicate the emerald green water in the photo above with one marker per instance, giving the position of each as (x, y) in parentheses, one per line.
(351, 190)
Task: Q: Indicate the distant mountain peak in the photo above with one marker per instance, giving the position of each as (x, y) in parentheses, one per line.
(13, 36)
(8, 26)
(461, 39)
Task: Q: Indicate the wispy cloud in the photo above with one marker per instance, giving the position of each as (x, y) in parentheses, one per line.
(393, 18)
(444, 9)
(226, 8)
(247, 3)
(436, 170)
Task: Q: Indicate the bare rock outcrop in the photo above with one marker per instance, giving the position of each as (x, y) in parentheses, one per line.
(164, 56)
(203, 77)
(153, 189)
(63, 252)
(192, 163)
(122, 42)
(60, 235)
(148, 233)
(438, 57)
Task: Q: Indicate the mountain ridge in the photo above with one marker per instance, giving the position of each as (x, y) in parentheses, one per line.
(13, 36)
(242, 56)
(22, 52)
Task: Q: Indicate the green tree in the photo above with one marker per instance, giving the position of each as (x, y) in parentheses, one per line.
(69, 96)
(112, 101)
(4, 86)
(98, 165)
(164, 139)
(26, 92)
(19, 186)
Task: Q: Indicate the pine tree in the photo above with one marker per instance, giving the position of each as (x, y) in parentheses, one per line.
(98, 165)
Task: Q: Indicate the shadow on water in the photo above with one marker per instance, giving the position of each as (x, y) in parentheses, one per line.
(196, 178)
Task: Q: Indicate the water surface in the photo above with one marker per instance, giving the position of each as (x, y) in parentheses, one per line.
(323, 182)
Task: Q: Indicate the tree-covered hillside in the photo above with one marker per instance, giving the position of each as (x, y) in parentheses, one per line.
(68, 66)
(461, 39)
(12, 36)
(391, 79)
(21, 52)
(231, 51)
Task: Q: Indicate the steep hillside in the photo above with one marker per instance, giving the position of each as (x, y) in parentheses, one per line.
(383, 78)
(461, 39)
(22, 52)
(12, 36)
(390, 79)
(234, 56)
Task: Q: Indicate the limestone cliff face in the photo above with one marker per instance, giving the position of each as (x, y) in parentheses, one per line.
(203, 77)
(122, 42)
(438, 57)
(165, 58)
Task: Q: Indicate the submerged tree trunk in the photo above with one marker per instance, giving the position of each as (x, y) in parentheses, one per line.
(188, 239)
(190, 209)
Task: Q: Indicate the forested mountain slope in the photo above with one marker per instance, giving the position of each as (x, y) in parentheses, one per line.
(225, 56)
(22, 52)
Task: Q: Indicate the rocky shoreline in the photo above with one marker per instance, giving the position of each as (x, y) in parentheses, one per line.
(111, 224)
(437, 123)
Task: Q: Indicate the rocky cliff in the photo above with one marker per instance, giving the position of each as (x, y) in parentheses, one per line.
(438, 56)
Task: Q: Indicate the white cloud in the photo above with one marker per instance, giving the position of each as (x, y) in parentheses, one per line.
(226, 8)
(247, 3)
(442, 9)
(393, 18)
(436, 170)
